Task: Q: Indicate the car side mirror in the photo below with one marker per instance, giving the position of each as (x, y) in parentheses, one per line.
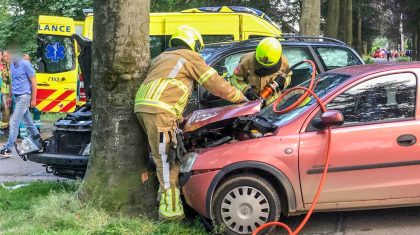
(328, 119)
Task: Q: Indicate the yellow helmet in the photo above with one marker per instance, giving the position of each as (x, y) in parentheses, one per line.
(190, 36)
(268, 52)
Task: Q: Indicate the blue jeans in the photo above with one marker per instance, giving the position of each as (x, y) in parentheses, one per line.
(21, 113)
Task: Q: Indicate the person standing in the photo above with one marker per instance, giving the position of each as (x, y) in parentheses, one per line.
(2, 65)
(5, 84)
(260, 68)
(161, 100)
(23, 90)
(36, 113)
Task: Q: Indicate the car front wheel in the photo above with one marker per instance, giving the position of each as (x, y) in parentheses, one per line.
(243, 203)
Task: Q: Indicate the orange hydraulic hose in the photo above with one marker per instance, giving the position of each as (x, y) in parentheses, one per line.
(308, 91)
(302, 98)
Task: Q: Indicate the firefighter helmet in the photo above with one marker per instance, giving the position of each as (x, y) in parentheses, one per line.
(268, 52)
(188, 36)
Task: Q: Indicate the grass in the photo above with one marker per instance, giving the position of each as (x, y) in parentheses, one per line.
(52, 208)
(52, 117)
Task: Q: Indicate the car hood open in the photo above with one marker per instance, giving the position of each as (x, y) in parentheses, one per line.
(205, 117)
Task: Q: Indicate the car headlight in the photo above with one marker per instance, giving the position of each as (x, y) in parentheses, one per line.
(86, 152)
(187, 162)
(29, 146)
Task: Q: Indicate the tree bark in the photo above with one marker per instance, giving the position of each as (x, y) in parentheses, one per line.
(331, 27)
(342, 21)
(414, 51)
(417, 44)
(310, 18)
(119, 152)
(349, 22)
(359, 45)
(365, 48)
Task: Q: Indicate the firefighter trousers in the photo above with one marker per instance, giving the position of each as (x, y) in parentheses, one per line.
(160, 130)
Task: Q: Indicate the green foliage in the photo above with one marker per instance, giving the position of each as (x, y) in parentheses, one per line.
(380, 42)
(53, 208)
(19, 19)
(403, 59)
(52, 117)
(368, 59)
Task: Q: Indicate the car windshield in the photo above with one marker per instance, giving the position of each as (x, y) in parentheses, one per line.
(326, 83)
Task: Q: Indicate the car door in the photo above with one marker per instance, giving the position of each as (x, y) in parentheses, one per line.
(375, 154)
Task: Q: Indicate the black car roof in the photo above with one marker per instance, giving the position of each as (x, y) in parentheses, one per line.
(286, 40)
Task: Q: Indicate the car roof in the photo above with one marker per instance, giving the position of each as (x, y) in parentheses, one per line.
(287, 40)
(365, 70)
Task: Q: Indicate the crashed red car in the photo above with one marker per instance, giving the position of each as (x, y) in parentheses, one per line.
(247, 167)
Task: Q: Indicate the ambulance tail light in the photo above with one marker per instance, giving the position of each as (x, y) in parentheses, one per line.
(82, 92)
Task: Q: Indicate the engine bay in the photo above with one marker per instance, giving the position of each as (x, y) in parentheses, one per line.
(228, 131)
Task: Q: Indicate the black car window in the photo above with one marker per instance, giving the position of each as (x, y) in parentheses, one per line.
(158, 44)
(295, 55)
(337, 57)
(386, 98)
(226, 66)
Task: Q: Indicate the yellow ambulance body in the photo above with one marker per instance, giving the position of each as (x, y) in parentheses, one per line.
(216, 24)
(57, 71)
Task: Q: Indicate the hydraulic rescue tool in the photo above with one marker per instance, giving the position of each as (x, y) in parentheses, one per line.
(277, 84)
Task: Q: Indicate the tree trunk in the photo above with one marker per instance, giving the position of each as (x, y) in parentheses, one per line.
(365, 48)
(349, 22)
(414, 45)
(417, 44)
(359, 28)
(342, 21)
(310, 18)
(331, 27)
(119, 153)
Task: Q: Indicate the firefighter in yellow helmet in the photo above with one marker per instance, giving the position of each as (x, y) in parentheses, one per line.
(259, 69)
(161, 100)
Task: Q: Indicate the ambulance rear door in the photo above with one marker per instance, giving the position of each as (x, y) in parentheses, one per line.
(57, 71)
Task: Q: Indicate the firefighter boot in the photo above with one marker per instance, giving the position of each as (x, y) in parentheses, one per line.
(170, 205)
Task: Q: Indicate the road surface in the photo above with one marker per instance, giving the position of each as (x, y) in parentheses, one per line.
(402, 221)
(15, 169)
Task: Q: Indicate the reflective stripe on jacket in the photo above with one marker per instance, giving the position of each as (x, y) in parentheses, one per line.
(5, 79)
(170, 82)
(245, 77)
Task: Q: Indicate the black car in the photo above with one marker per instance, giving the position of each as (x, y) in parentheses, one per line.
(66, 153)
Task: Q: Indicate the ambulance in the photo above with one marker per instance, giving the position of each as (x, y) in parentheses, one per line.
(61, 86)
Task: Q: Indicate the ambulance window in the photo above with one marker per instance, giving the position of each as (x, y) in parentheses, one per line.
(55, 54)
(217, 38)
(256, 36)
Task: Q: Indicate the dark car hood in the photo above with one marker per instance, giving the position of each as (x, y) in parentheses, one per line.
(204, 117)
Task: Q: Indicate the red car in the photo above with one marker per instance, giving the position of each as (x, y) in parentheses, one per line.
(247, 167)
(379, 54)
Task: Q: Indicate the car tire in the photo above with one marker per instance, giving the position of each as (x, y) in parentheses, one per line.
(244, 202)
